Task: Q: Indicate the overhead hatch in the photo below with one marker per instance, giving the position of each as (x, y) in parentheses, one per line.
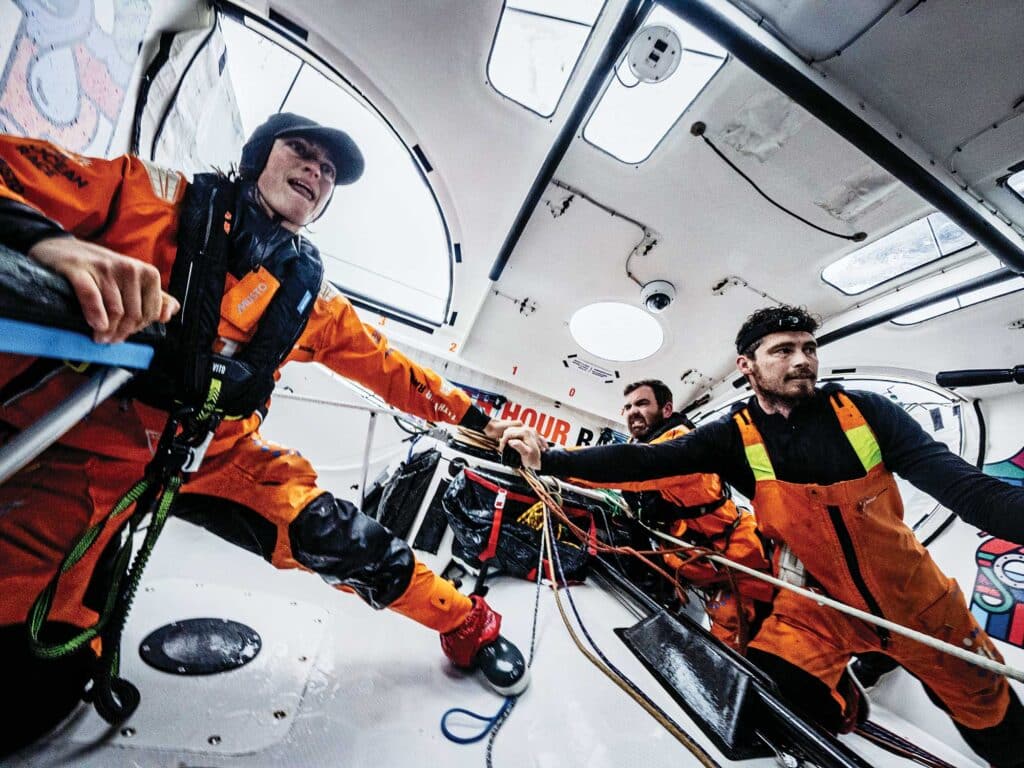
(634, 115)
(536, 48)
(909, 247)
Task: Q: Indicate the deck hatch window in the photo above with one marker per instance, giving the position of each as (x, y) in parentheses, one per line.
(959, 275)
(536, 48)
(383, 240)
(632, 117)
(1016, 184)
(615, 331)
(909, 247)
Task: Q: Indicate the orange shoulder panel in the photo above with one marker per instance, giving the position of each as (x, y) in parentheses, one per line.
(124, 204)
(847, 413)
(748, 431)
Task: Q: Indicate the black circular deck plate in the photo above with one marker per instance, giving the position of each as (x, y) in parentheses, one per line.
(200, 646)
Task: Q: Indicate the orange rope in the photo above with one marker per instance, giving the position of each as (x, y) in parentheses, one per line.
(689, 554)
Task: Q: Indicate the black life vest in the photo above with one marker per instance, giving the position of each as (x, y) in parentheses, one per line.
(222, 229)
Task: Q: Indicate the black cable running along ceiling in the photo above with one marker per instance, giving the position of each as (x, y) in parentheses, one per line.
(698, 129)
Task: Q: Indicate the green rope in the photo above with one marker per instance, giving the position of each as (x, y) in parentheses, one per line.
(40, 610)
(167, 480)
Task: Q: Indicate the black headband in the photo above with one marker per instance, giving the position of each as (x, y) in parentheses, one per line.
(748, 336)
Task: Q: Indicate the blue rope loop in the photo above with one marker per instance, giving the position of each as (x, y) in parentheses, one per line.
(489, 722)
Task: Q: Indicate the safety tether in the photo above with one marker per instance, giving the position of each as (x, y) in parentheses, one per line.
(183, 437)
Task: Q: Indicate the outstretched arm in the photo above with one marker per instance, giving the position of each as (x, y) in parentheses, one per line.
(981, 500)
(707, 449)
(337, 338)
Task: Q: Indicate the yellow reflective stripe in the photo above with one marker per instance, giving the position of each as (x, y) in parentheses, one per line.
(760, 464)
(865, 446)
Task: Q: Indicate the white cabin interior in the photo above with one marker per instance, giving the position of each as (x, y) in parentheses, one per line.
(519, 173)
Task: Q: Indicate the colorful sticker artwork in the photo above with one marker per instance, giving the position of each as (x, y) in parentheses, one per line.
(67, 68)
(998, 598)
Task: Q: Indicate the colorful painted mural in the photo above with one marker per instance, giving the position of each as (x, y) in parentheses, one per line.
(67, 67)
(998, 599)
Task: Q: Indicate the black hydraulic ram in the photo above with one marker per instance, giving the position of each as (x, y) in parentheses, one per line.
(980, 376)
(717, 681)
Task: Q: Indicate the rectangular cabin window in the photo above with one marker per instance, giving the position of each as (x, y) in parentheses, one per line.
(909, 247)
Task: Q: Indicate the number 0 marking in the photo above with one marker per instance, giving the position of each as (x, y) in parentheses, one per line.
(572, 391)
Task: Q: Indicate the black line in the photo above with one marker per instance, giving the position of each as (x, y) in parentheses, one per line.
(291, 85)
(177, 89)
(296, 30)
(859, 34)
(984, 281)
(856, 237)
(422, 157)
(853, 566)
(627, 23)
(161, 57)
(802, 89)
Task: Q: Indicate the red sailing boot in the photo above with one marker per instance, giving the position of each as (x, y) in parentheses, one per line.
(477, 644)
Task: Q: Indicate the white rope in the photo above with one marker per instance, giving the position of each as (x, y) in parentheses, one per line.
(970, 657)
(286, 395)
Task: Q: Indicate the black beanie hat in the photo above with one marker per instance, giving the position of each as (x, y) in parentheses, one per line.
(347, 159)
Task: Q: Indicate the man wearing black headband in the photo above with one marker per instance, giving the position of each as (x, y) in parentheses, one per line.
(817, 463)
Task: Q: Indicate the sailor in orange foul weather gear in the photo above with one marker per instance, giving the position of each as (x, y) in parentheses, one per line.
(276, 308)
(697, 509)
(817, 464)
(851, 538)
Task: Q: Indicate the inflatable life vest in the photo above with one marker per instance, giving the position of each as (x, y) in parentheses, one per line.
(247, 288)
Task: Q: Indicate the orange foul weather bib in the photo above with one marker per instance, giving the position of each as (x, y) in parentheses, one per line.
(852, 540)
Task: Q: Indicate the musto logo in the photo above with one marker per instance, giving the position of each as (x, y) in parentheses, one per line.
(998, 599)
(254, 294)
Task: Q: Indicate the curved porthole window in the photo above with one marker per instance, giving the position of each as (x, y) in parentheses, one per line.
(383, 240)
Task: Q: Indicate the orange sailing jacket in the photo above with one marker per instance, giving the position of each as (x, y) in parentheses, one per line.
(723, 527)
(133, 207)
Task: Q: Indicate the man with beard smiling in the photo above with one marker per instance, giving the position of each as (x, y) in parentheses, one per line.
(817, 464)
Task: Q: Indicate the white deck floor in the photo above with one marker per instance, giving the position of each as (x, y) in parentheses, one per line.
(352, 686)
